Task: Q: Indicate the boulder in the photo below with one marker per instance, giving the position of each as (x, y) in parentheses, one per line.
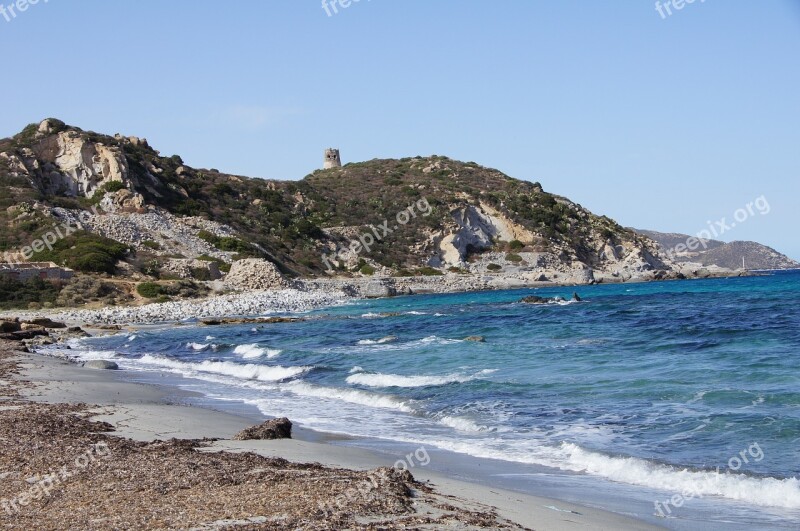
(31, 327)
(377, 289)
(101, 365)
(534, 299)
(46, 323)
(270, 430)
(6, 327)
(255, 274)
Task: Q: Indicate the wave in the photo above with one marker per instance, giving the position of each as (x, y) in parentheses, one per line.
(397, 380)
(381, 341)
(96, 354)
(199, 346)
(768, 492)
(353, 396)
(262, 373)
(253, 351)
(462, 424)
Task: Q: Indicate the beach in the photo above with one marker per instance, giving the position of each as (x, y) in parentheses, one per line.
(155, 464)
(527, 408)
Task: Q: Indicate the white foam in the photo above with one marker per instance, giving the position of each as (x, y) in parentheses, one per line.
(769, 492)
(253, 351)
(131, 338)
(198, 346)
(381, 341)
(245, 372)
(397, 380)
(462, 424)
(416, 313)
(96, 354)
(353, 396)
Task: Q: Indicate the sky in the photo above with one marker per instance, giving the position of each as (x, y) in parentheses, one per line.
(668, 122)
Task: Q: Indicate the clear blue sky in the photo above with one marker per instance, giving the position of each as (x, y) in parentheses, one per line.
(659, 123)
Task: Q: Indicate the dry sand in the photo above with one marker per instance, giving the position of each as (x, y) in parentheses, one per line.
(159, 468)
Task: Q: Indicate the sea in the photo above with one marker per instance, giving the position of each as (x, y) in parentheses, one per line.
(675, 402)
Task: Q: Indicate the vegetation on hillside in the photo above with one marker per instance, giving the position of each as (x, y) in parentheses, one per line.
(294, 223)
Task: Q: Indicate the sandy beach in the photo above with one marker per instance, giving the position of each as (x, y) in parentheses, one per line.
(173, 466)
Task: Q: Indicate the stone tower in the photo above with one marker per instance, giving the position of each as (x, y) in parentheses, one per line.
(332, 159)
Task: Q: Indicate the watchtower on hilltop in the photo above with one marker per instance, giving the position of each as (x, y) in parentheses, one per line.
(332, 159)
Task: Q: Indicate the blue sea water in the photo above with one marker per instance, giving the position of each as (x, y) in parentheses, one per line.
(688, 387)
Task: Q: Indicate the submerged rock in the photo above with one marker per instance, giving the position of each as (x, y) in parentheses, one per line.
(534, 299)
(477, 339)
(270, 430)
(101, 365)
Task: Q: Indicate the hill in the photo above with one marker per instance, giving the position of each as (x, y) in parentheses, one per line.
(721, 254)
(426, 215)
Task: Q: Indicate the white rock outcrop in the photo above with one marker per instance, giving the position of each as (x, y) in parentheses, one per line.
(478, 227)
(71, 165)
(255, 274)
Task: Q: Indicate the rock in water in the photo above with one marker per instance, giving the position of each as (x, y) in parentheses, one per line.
(534, 299)
(576, 297)
(477, 339)
(272, 429)
(101, 365)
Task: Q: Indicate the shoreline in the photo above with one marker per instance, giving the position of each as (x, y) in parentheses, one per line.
(148, 412)
(144, 412)
(305, 296)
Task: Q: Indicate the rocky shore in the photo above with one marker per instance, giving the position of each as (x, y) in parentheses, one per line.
(277, 295)
(235, 304)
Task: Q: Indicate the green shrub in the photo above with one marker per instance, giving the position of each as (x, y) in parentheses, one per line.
(85, 288)
(15, 294)
(111, 187)
(149, 290)
(511, 257)
(201, 273)
(494, 267)
(516, 245)
(152, 245)
(367, 270)
(85, 252)
(226, 243)
(428, 271)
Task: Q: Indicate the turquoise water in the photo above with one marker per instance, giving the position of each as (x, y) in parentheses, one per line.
(668, 386)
